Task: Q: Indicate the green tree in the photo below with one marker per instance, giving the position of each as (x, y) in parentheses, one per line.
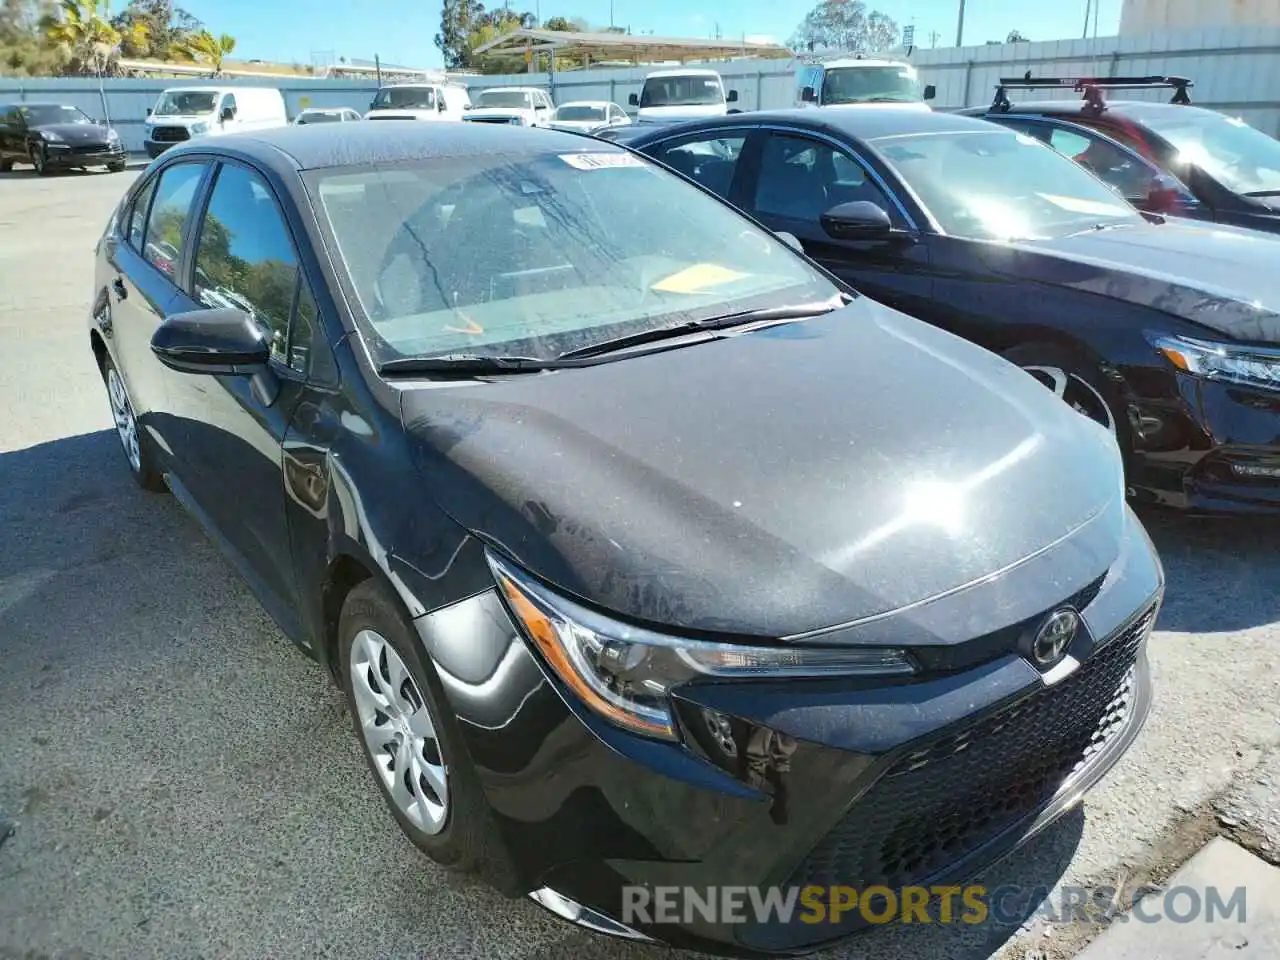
(213, 50)
(23, 50)
(79, 30)
(845, 25)
(166, 30)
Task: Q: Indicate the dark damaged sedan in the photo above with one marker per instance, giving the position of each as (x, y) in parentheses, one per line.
(646, 553)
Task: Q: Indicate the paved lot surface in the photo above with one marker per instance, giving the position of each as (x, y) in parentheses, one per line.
(186, 784)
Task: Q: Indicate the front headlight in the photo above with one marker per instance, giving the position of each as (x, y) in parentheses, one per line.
(199, 127)
(626, 674)
(1236, 363)
(50, 136)
(112, 136)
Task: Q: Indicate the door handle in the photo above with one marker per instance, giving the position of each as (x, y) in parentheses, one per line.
(118, 286)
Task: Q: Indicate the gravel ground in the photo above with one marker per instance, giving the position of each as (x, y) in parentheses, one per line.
(185, 784)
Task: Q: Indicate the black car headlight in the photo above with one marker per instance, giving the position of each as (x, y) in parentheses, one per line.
(626, 673)
(1236, 363)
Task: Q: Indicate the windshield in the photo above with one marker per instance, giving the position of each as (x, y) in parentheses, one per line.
(176, 103)
(319, 116)
(1001, 185)
(533, 256)
(681, 91)
(405, 98)
(1243, 159)
(571, 112)
(871, 84)
(519, 99)
(40, 115)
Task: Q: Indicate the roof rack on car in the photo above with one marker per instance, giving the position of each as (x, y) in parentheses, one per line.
(1091, 87)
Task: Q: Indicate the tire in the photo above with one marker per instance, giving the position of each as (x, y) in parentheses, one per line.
(40, 160)
(137, 451)
(6, 166)
(1080, 384)
(115, 168)
(463, 836)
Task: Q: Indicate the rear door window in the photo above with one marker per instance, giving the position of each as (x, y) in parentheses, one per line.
(711, 161)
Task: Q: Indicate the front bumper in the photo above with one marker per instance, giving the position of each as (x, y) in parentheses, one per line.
(792, 784)
(1210, 446)
(71, 155)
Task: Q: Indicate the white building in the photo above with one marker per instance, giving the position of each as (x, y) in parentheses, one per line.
(1146, 16)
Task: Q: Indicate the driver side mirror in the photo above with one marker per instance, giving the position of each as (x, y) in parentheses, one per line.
(809, 95)
(440, 106)
(1164, 195)
(222, 342)
(148, 111)
(930, 91)
(857, 220)
(791, 240)
(228, 113)
(634, 100)
(732, 97)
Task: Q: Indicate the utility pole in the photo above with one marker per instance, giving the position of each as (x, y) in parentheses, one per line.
(1088, 6)
(960, 27)
(934, 37)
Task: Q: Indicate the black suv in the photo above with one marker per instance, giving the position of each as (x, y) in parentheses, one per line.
(52, 136)
(1169, 158)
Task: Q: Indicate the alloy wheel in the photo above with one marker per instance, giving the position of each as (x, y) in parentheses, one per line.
(399, 732)
(1077, 393)
(126, 424)
(38, 158)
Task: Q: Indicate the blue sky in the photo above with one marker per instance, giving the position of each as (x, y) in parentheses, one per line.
(290, 30)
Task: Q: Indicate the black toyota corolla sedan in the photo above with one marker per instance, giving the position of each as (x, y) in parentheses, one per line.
(1171, 158)
(645, 552)
(53, 136)
(1164, 330)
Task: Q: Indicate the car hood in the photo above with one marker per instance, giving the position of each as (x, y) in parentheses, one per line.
(586, 126)
(685, 111)
(775, 482)
(76, 132)
(495, 113)
(178, 119)
(1223, 279)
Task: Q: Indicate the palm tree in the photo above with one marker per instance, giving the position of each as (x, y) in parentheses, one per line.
(80, 30)
(206, 46)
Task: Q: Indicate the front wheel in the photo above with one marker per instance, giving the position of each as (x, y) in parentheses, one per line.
(411, 739)
(40, 160)
(1072, 381)
(115, 167)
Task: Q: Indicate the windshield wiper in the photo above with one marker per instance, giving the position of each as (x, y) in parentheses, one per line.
(1264, 193)
(766, 315)
(463, 363)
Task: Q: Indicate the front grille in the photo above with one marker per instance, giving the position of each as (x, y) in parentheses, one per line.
(170, 134)
(949, 658)
(940, 802)
(91, 148)
(507, 120)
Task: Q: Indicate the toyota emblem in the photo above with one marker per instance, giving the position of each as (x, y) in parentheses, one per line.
(1054, 637)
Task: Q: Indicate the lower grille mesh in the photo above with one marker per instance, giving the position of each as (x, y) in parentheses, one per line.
(940, 802)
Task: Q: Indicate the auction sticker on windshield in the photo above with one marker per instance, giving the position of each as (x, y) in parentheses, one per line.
(601, 161)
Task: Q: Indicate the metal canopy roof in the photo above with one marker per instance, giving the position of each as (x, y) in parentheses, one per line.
(622, 46)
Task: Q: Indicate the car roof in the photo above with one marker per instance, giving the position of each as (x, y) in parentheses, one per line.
(862, 123)
(859, 62)
(683, 72)
(1132, 109)
(308, 147)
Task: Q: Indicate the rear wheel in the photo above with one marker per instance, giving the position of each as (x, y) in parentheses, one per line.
(6, 166)
(137, 452)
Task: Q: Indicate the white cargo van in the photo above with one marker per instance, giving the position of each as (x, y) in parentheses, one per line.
(182, 113)
(861, 81)
(419, 101)
(682, 95)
